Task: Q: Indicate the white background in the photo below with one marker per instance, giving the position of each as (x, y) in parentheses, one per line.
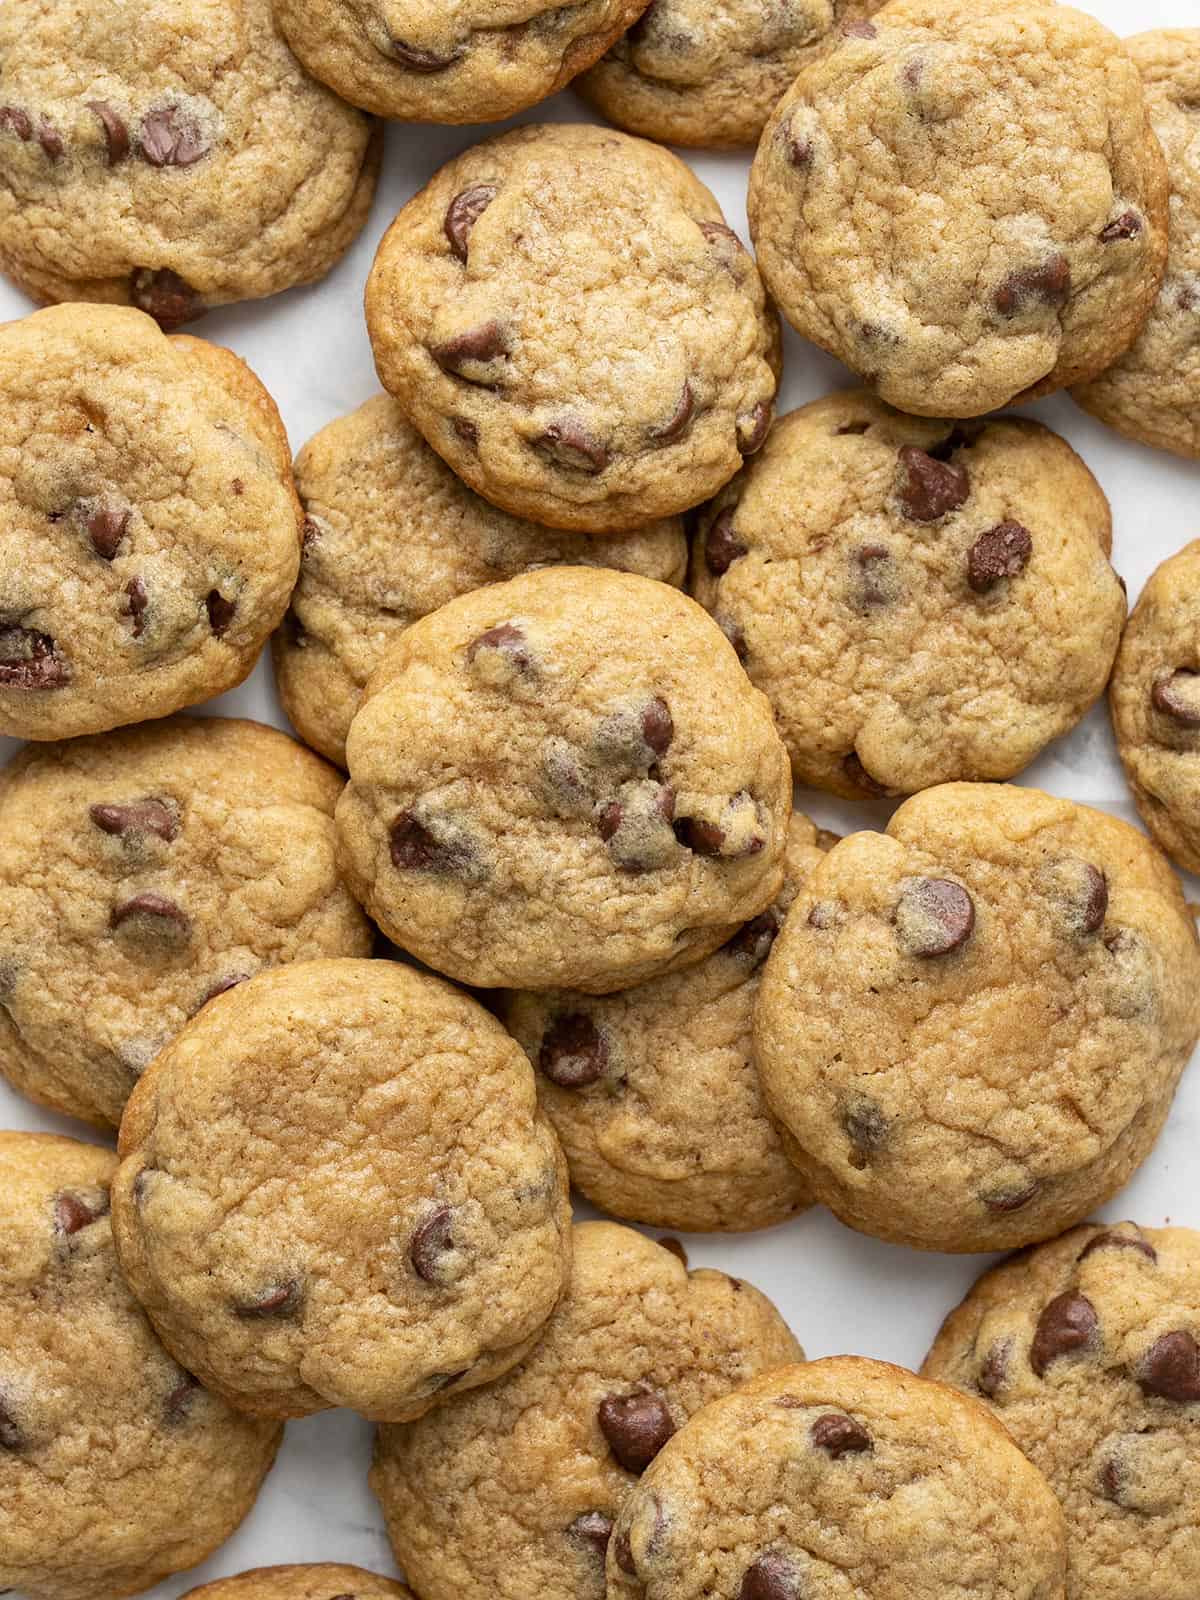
(840, 1292)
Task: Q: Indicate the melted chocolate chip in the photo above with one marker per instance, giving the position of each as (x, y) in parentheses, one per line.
(1118, 1241)
(1112, 1480)
(701, 837)
(1127, 226)
(72, 1212)
(593, 1528)
(137, 816)
(431, 1240)
(771, 1577)
(658, 726)
(677, 423)
(798, 146)
(1178, 697)
(465, 430)
(929, 488)
(169, 139)
(1001, 552)
(279, 1299)
(876, 585)
(636, 1427)
(165, 296)
(30, 660)
(16, 121)
(413, 845)
(933, 917)
(220, 612)
(222, 986)
(573, 1053)
(116, 134)
(50, 140)
(1067, 1324)
(722, 547)
(752, 943)
(1047, 284)
(155, 906)
(865, 1126)
(179, 1402)
(839, 1435)
(136, 601)
(421, 60)
(1170, 1368)
(474, 346)
(753, 427)
(463, 212)
(106, 528)
(622, 1550)
(859, 776)
(1095, 904)
(569, 445)
(994, 1370)
(1011, 1199)
(509, 640)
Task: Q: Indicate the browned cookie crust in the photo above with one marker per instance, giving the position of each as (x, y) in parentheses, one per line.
(325, 1581)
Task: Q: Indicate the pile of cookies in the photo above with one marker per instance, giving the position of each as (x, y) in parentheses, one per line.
(560, 619)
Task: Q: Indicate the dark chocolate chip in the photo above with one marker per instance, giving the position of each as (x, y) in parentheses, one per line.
(930, 488)
(994, 1369)
(30, 660)
(16, 121)
(413, 845)
(136, 601)
(636, 1427)
(753, 427)
(1011, 1199)
(1171, 1368)
(279, 1299)
(752, 943)
(677, 423)
(1047, 284)
(933, 917)
(155, 906)
(222, 986)
(592, 1528)
(116, 134)
(1067, 1324)
(839, 1435)
(421, 60)
(179, 1402)
(622, 1550)
(798, 146)
(1178, 696)
(658, 726)
(609, 819)
(771, 1577)
(722, 547)
(106, 528)
(865, 1126)
(1118, 1241)
(431, 1240)
(701, 837)
(137, 816)
(50, 140)
(876, 585)
(165, 296)
(1127, 226)
(1001, 552)
(569, 445)
(507, 639)
(169, 139)
(72, 1212)
(463, 212)
(573, 1053)
(479, 345)
(859, 776)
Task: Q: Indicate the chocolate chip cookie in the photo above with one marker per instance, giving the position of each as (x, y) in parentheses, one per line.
(512, 1492)
(1153, 392)
(172, 157)
(475, 62)
(971, 1026)
(142, 873)
(899, 587)
(654, 1092)
(149, 530)
(1086, 1349)
(1154, 698)
(845, 1478)
(391, 534)
(564, 315)
(337, 1190)
(117, 1468)
(564, 781)
(323, 1582)
(696, 73)
(966, 204)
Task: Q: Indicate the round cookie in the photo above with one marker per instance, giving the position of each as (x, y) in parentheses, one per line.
(654, 1092)
(847, 1479)
(337, 1190)
(965, 204)
(116, 1467)
(323, 1582)
(568, 374)
(143, 872)
(391, 535)
(1086, 1350)
(564, 781)
(696, 72)
(1154, 699)
(172, 157)
(475, 62)
(919, 601)
(149, 530)
(1152, 393)
(971, 1026)
(512, 1491)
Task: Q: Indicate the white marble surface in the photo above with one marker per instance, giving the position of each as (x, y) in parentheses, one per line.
(841, 1292)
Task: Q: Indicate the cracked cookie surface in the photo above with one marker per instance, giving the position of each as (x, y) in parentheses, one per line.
(654, 1092)
(919, 601)
(1086, 1349)
(1152, 393)
(843, 1478)
(116, 1467)
(172, 157)
(142, 873)
(564, 781)
(336, 1189)
(971, 1026)
(966, 205)
(469, 61)
(511, 1493)
(695, 72)
(325, 1581)
(564, 315)
(390, 535)
(149, 529)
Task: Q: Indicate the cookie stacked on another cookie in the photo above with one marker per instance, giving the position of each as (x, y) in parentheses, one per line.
(324, 1582)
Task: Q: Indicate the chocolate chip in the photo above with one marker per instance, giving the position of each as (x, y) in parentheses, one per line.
(169, 139)
(1011, 1198)
(752, 943)
(431, 1240)
(865, 1126)
(1111, 1479)
(116, 134)
(1001, 552)
(859, 776)
(636, 1427)
(735, 634)
(860, 29)
(72, 1212)
(623, 1552)
(421, 60)
(569, 445)
(1067, 1324)
(1171, 1368)
(165, 296)
(592, 1528)
(16, 121)
(414, 845)
(677, 423)
(701, 837)
(574, 1052)
(798, 146)
(994, 1369)
(1118, 1241)
(463, 212)
(609, 819)
(221, 612)
(222, 986)
(839, 1435)
(933, 917)
(507, 639)
(658, 726)
(771, 1577)
(716, 232)
(179, 1402)
(279, 1299)
(1178, 696)
(466, 430)
(1127, 226)
(474, 346)
(877, 582)
(930, 488)
(30, 660)
(155, 906)
(138, 816)
(1047, 284)
(753, 427)
(50, 140)
(106, 528)
(136, 602)
(11, 1435)
(722, 547)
